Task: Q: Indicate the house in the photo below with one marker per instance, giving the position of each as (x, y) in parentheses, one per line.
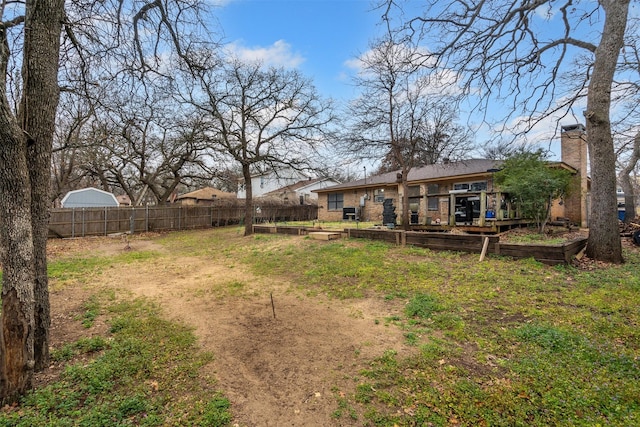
(302, 192)
(271, 180)
(574, 153)
(204, 196)
(438, 194)
(89, 198)
(451, 194)
(124, 200)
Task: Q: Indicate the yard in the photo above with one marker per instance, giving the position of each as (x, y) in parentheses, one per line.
(275, 330)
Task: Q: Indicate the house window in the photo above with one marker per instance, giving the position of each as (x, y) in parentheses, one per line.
(414, 198)
(479, 186)
(378, 195)
(335, 201)
(473, 186)
(414, 191)
(432, 202)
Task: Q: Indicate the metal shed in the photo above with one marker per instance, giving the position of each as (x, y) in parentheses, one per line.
(89, 198)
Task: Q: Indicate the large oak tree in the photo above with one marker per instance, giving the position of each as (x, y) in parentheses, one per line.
(261, 118)
(513, 54)
(30, 40)
(401, 116)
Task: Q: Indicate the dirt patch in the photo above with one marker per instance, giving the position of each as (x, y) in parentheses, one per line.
(281, 356)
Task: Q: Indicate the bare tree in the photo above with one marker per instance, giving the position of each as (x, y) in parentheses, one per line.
(505, 52)
(146, 148)
(627, 92)
(260, 118)
(24, 194)
(399, 117)
(73, 118)
(624, 176)
(442, 137)
(26, 132)
(499, 150)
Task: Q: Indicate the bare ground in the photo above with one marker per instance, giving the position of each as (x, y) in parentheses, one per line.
(280, 364)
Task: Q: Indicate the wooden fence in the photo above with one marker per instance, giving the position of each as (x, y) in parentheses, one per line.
(80, 222)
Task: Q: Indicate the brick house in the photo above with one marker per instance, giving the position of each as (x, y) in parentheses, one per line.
(454, 193)
(204, 197)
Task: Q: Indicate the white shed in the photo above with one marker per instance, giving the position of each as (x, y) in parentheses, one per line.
(89, 198)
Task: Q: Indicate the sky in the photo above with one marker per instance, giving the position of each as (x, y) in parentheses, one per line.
(321, 38)
(318, 37)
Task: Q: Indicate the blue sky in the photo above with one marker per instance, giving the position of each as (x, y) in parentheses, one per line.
(318, 37)
(321, 38)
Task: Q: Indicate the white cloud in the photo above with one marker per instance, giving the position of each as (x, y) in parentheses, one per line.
(546, 11)
(279, 54)
(354, 64)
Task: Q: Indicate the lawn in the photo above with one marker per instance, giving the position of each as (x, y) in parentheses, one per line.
(495, 343)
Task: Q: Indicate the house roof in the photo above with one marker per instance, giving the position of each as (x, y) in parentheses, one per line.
(300, 185)
(433, 172)
(206, 193)
(123, 199)
(89, 197)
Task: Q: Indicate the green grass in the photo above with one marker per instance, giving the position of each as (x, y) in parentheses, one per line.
(146, 373)
(498, 343)
(81, 269)
(502, 342)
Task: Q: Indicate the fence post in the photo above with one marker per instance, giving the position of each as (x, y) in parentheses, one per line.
(83, 225)
(132, 221)
(146, 218)
(73, 222)
(105, 220)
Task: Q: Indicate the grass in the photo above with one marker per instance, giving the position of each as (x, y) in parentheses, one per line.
(502, 342)
(146, 372)
(81, 269)
(496, 343)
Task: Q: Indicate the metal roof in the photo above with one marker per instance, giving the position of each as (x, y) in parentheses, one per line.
(89, 198)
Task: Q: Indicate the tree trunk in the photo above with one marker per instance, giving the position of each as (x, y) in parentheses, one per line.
(248, 201)
(604, 237)
(406, 214)
(37, 117)
(17, 331)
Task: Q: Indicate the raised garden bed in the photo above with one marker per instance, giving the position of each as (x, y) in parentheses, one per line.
(552, 254)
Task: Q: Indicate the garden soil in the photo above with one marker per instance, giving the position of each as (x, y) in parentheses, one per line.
(282, 357)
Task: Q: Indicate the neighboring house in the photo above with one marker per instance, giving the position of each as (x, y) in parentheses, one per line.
(266, 182)
(451, 193)
(89, 198)
(204, 196)
(302, 192)
(124, 200)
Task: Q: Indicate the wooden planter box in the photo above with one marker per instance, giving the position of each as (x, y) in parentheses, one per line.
(269, 229)
(547, 254)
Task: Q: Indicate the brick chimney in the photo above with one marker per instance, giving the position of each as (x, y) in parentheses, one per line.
(573, 148)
